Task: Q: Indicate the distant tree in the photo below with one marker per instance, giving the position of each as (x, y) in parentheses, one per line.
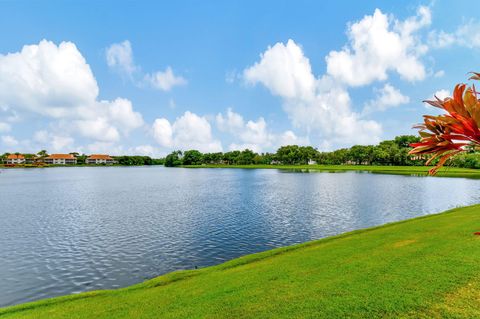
(192, 157)
(213, 158)
(289, 154)
(81, 159)
(266, 158)
(173, 159)
(245, 157)
(231, 157)
(406, 140)
(307, 153)
(258, 159)
(42, 153)
(360, 154)
(3, 157)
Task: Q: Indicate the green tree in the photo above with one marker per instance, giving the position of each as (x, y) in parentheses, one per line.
(231, 157)
(246, 157)
(406, 140)
(3, 157)
(42, 153)
(360, 154)
(173, 159)
(289, 154)
(192, 157)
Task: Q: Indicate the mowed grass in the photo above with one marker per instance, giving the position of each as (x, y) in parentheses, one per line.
(427, 267)
(403, 170)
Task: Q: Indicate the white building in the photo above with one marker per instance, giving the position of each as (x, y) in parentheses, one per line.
(14, 159)
(60, 159)
(99, 159)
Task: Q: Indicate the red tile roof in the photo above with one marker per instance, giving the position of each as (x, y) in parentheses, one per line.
(100, 157)
(60, 156)
(14, 156)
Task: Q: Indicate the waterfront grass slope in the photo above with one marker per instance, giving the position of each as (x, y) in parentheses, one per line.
(426, 267)
(402, 170)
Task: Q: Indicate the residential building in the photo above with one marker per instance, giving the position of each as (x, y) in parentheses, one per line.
(60, 159)
(99, 159)
(14, 159)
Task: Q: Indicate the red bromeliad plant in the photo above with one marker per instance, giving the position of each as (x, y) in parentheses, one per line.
(448, 134)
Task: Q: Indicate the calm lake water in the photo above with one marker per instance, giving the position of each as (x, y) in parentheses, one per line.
(67, 230)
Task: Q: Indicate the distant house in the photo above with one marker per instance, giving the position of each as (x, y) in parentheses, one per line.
(418, 157)
(14, 159)
(99, 159)
(60, 159)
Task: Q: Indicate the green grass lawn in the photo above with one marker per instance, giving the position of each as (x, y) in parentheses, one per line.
(403, 170)
(427, 267)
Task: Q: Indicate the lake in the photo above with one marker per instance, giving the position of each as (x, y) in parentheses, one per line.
(73, 229)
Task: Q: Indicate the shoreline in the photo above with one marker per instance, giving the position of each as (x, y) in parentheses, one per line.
(378, 169)
(372, 250)
(374, 169)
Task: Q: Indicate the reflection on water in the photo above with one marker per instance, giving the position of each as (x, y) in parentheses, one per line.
(66, 230)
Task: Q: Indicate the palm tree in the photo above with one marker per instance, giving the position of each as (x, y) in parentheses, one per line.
(41, 155)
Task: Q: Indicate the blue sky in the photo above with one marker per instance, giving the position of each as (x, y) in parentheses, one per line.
(147, 78)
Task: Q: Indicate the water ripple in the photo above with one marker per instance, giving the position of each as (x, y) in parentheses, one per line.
(68, 230)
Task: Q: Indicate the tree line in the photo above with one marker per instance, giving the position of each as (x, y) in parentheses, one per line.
(390, 152)
(394, 152)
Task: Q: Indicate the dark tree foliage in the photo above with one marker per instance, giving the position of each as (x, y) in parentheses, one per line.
(173, 159)
(192, 157)
(135, 160)
(294, 154)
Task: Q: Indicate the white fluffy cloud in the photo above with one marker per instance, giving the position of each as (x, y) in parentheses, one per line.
(188, 131)
(467, 35)
(165, 80)
(316, 105)
(9, 141)
(379, 44)
(163, 132)
(52, 141)
(144, 150)
(253, 135)
(47, 79)
(386, 97)
(442, 94)
(55, 81)
(284, 70)
(120, 57)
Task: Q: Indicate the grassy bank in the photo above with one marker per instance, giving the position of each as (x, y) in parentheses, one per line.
(422, 268)
(403, 170)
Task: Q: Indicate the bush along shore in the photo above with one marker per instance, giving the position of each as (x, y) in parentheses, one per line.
(426, 267)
